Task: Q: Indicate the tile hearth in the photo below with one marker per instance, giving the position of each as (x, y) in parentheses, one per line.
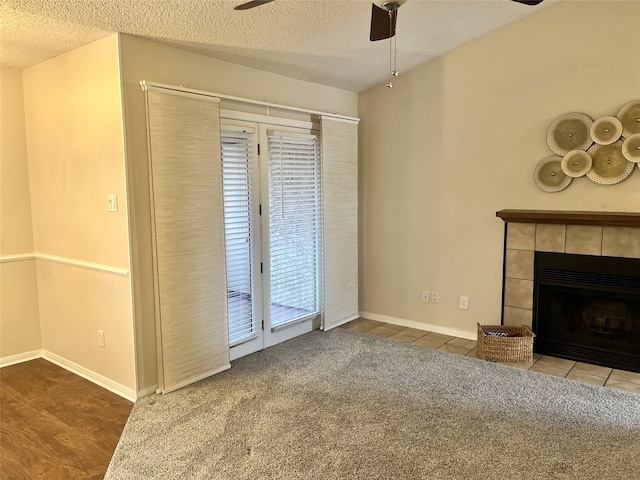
(582, 372)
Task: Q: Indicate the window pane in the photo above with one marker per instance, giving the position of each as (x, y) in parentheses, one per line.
(294, 214)
(238, 177)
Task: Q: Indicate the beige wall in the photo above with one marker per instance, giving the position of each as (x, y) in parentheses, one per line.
(19, 322)
(146, 60)
(457, 139)
(76, 158)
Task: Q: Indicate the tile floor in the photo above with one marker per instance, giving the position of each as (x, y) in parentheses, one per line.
(583, 372)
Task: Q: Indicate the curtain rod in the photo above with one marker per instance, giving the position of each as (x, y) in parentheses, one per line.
(146, 84)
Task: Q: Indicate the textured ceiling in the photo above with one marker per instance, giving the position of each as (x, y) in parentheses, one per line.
(321, 41)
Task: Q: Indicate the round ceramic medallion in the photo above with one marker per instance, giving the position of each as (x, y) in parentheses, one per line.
(571, 131)
(576, 163)
(606, 130)
(609, 165)
(631, 148)
(549, 176)
(629, 117)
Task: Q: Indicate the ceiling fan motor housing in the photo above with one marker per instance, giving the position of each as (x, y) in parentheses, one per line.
(389, 5)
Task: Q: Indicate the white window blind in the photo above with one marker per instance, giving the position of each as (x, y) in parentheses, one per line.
(294, 226)
(187, 235)
(239, 178)
(340, 213)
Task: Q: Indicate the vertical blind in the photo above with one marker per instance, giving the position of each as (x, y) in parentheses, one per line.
(239, 178)
(187, 236)
(340, 213)
(294, 226)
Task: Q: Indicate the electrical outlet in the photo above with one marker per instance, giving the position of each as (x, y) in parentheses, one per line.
(425, 296)
(101, 338)
(112, 203)
(464, 303)
(435, 296)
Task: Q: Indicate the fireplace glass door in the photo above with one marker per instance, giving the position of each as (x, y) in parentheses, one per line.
(588, 309)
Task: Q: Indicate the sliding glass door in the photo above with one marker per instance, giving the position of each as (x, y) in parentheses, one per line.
(272, 220)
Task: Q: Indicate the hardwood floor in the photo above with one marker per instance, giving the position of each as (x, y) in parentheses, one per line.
(56, 425)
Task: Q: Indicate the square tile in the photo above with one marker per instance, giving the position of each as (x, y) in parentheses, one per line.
(427, 343)
(621, 242)
(463, 342)
(413, 332)
(550, 238)
(586, 378)
(624, 376)
(400, 336)
(519, 264)
(546, 369)
(381, 332)
(556, 362)
(589, 369)
(453, 349)
(363, 323)
(518, 293)
(584, 240)
(354, 326)
(620, 385)
(521, 236)
(521, 366)
(439, 337)
(517, 317)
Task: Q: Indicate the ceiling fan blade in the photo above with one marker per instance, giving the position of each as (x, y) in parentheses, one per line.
(529, 2)
(251, 4)
(380, 23)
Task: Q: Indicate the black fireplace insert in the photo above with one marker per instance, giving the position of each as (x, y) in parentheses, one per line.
(587, 309)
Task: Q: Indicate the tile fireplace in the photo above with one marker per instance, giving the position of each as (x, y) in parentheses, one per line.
(574, 277)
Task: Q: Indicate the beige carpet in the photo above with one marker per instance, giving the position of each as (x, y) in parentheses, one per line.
(343, 405)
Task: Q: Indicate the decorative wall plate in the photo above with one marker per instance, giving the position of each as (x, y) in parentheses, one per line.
(576, 163)
(631, 148)
(571, 131)
(609, 165)
(606, 130)
(549, 176)
(629, 116)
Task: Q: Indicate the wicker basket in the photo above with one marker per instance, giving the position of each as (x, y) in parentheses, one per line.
(516, 348)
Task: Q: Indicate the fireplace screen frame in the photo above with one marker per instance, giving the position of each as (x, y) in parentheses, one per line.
(608, 281)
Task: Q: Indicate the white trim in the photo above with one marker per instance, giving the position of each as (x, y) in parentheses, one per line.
(17, 258)
(454, 332)
(226, 114)
(20, 358)
(97, 267)
(93, 377)
(127, 213)
(342, 322)
(146, 84)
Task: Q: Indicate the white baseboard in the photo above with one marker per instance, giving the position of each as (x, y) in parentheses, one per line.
(93, 377)
(454, 332)
(19, 358)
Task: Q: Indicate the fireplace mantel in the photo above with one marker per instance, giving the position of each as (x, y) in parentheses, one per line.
(603, 219)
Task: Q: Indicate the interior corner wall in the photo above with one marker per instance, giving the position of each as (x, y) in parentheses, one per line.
(75, 145)
(458, 138)
(147, 60)
(19, 320)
